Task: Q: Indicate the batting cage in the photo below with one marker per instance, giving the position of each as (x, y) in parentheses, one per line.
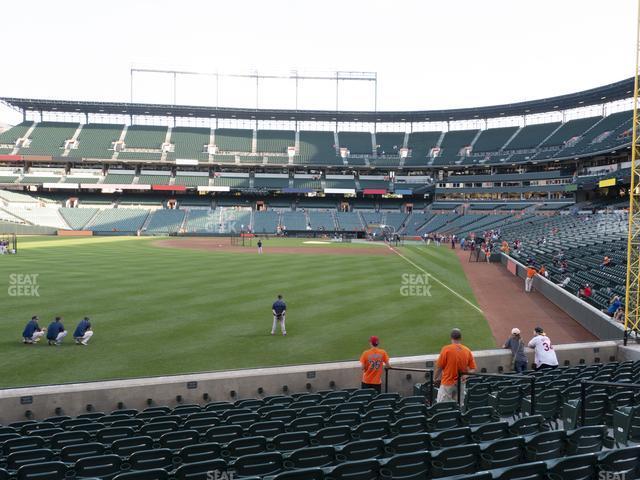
(242, 240)
(8, 243)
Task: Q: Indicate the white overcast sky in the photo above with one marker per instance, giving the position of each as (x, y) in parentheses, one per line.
(427, 54)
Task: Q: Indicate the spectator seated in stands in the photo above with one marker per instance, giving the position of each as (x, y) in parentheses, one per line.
(565, 281)
(543, 271)
(606, 261)
(614, 305)
(585, 292)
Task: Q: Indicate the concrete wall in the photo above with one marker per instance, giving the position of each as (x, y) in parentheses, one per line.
(596, 322)
(72, 399)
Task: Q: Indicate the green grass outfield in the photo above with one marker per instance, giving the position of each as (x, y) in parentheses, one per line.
(166, 311)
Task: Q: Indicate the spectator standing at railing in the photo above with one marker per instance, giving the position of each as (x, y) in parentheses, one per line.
(516, 345)
(373, 361)
(545, 356)
(454, 359)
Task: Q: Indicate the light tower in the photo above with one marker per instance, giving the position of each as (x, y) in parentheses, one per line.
(632, 294)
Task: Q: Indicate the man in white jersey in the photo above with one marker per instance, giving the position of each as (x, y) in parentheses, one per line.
(545, 356)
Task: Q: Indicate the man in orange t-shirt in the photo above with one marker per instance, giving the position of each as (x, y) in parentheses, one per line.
(454, 358)
(528, 282)
(372, 361)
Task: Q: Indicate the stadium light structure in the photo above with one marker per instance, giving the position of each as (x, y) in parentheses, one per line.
(337, 77)
(632, 293)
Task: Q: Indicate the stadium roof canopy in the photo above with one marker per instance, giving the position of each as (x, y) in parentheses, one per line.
(595, 96)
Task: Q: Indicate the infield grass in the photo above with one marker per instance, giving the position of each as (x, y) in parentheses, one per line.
(166, 311)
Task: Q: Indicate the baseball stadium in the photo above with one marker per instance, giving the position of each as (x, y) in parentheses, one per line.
(485, 258)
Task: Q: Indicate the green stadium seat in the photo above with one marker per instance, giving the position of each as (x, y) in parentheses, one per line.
(527, 471)
(411, 411)
(134, 423)
(289, 441)
(361, 450)
(527, 425)
(386, 414)
(98, 466)
(577, 467)
(244, 446)
(502, 453)
(152, 474)
(316, 410)
(350, 419)
(625, 462)
(590, 439)
(179, 439)
(40, 471)
(415, 424)
(25, 457)
(201, 425)
(372, 429)
(594, 411)
(545, 445)
(477, 396)
(200, 470)
(260, 464)
(267, 429)
(283, 414)
(336, 435)
(151, 459)
(311, 457)
(455, 460)
(300, 474)
(224, 433)
(548, 405)
(490, 431)
(244, 419)
(306, 424)
(128, 445)
(156, 429)
(480, 416)
(444, 420)
(73, 453)
(407, 443)
(358, 470)
(407, 465)
(61, 440)
(452, 437)
(199, 452)
(506, 401)
(22, 443)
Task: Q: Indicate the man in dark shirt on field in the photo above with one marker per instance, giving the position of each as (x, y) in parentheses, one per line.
(279, 309)
(56, 332)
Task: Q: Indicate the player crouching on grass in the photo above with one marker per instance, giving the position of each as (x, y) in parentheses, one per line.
(279, 309)
(56, 332)
(32, 331)
(372, 361)
(83, 332)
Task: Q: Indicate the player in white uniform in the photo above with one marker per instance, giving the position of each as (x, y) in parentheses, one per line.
(545, 356)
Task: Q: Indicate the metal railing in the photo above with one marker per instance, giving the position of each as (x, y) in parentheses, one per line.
(530, 378)
(428, 375)
(583, 392)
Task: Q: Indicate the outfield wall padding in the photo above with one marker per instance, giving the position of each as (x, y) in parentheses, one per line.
(595, 321)
(75, 233)
(20, 229)
(73, 399)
